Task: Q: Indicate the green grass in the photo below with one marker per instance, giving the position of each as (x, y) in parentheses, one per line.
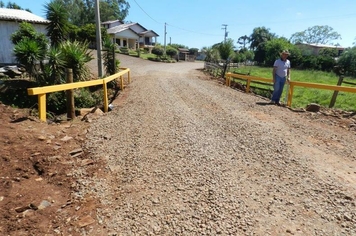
(304, 96)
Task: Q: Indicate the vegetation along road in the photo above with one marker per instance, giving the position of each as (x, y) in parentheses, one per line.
(186, 155)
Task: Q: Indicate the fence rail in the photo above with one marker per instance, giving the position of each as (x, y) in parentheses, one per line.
(42, 91)
(230, 76)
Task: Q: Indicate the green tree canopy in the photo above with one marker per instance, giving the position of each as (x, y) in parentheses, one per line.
(226, 49)
(58, 28)
(243, 41)
(12, 5)
(274, 47)
(319, 34)
(212, 54)
(82, 12)
(347, 61)
(260, 35)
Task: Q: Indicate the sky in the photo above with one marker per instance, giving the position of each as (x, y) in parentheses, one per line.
(202, 23)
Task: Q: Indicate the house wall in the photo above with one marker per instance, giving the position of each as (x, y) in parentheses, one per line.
(126, 38)
(314, 50)
(7, 28)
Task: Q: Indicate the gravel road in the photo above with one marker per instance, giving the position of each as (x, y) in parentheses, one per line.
(187, 155)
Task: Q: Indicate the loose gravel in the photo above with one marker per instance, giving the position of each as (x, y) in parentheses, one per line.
(186, 155)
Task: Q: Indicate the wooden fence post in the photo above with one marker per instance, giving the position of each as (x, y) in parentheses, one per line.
(333, 99)
(70, 96)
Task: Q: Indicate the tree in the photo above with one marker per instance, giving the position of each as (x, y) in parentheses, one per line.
(193, 51)
(273, 48)
(259, 36)
(319, 34)
(12, 5)
(57, 29)
(177, 46)
(76, 55)
(212, 54)
(347, 62)
(30, 47)
(29, 52)
(158, 51)
(171, 51)
(87, 33)
(243, 40)
(110, 62)
(82, 12)
(226, 49)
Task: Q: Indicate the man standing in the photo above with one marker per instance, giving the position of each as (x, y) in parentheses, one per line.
(281, 74)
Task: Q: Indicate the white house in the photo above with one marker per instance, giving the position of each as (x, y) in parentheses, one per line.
(314, 49)
(9, 23)
(130, 35)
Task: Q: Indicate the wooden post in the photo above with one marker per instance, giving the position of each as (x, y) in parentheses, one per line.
(248, 85)
(106, 100)
(114, 59)
(333, 99)
(70, 96)
(42, 106)
(122, 82)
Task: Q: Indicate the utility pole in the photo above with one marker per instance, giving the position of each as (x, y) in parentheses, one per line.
(98, 38)
(165, 35)
(225, 28)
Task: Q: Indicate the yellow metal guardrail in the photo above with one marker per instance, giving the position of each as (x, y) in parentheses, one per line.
(229, 76)
(42, 91)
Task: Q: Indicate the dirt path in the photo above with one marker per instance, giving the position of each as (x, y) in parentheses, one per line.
(180, 154)
(188, 156)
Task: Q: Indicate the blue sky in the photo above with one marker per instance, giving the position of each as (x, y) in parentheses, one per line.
(199, 23)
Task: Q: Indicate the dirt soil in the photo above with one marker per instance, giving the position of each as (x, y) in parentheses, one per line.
(35, 187)
(36, 159)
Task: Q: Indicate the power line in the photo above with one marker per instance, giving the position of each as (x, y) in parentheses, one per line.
(146, 13)
(191, 31)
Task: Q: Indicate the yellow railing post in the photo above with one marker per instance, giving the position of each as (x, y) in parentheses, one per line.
(129, 76)
(248, 85)
(121, 82)
(290, 94)
(106, 100)
(42, 106)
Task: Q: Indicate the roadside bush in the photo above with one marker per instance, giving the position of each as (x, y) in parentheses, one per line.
(171, 52)
(83, 98)
(158, 51)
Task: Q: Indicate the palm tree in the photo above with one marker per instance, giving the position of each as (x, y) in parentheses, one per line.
(57, 29)
(226, 49)
(212, 54)
(28, 53)
(76, 55)
(111, 64)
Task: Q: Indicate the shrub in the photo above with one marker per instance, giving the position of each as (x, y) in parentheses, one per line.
(158, 51)
(171, 52)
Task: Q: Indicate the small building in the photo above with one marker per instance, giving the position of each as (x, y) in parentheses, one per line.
(314, 49)
(10, 20)
(130, 35)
